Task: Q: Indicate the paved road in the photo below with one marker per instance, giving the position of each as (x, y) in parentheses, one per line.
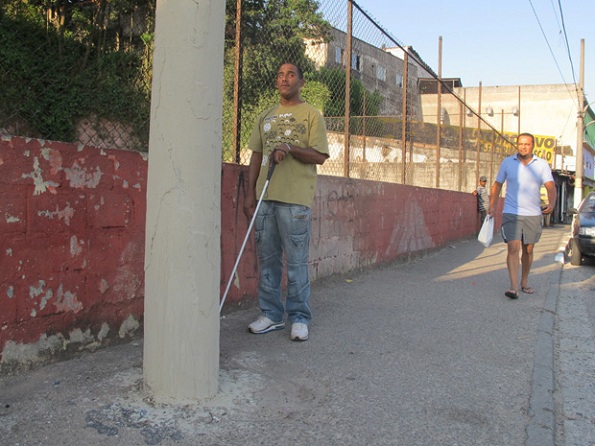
(428, 352)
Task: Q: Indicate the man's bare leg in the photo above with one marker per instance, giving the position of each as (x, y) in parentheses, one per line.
(526, 262)
(512, 262)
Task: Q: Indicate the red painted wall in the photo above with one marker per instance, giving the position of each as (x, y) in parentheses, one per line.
(72, 240)
(355, 224)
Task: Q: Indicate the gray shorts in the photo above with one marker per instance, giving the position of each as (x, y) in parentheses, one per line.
(527, 229)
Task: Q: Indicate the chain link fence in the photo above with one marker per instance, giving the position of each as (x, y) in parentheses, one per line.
(77, 71)
(80, 71)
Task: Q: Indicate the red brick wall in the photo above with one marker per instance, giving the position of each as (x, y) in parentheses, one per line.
(72, 240)
(71, 246)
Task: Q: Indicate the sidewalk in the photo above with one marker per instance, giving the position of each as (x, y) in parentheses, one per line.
(423, 353)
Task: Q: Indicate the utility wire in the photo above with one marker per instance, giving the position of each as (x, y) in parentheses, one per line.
(578, 93)
(550, 47)
(566, 40)
(547, 41)
(555, 13)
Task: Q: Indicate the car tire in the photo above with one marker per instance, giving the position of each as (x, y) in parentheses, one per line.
(576, 258)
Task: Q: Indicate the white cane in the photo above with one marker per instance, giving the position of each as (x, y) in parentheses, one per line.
(235, 267)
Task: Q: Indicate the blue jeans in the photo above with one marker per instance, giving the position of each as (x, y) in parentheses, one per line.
(283, 228)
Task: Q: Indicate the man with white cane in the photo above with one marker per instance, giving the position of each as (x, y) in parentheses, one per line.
(292, 134)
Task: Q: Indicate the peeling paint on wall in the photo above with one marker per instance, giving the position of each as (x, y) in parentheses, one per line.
(75, 246)
(30, 353)
(45, 298)
(115, 161)
(62, 255)
(78, 336)
(103, 332)
(40, 185)
(103, 286)
(101, 203)
(36, 291)
(65, 214)
(126, 283)
(80, 178)
(54, 157)
(128, 327)
(23, 356)
(67, 301)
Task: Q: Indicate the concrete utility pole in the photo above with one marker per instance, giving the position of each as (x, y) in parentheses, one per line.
(578, 181)
(183, 254)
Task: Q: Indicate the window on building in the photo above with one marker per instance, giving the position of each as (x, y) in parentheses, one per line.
(338, 55)
(356, 62)
(399, 80)
(381, 73)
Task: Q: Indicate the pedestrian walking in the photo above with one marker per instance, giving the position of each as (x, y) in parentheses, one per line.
(291, 134)
(524, 174)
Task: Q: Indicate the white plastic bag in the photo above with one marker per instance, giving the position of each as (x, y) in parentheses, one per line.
(486, 234)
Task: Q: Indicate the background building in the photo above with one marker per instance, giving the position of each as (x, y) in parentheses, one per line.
(379, 69)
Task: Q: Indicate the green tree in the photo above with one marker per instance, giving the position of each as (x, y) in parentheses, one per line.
(62, 60)
(362, 102)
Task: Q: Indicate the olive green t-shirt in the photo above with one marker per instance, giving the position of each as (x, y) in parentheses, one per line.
(299, 125)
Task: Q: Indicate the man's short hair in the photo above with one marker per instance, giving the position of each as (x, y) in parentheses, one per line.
(483, 178)
(527, 134)
(300, 73)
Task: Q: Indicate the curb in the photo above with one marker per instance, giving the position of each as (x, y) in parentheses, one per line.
(541, 430)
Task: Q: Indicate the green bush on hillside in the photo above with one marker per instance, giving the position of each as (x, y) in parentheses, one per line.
(48, 82)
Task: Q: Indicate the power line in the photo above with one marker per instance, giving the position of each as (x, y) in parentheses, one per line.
(566, 40)
(550, 47)
(547, 41)
(555, 13)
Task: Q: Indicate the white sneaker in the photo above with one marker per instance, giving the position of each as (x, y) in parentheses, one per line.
(263, 325)
(299, 332)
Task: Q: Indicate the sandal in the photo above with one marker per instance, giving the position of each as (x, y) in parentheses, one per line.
(512, 294)
(527, 290)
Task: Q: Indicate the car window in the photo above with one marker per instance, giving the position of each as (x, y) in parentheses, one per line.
(589, 204)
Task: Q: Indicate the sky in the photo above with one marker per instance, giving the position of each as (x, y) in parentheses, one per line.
(496, 43)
